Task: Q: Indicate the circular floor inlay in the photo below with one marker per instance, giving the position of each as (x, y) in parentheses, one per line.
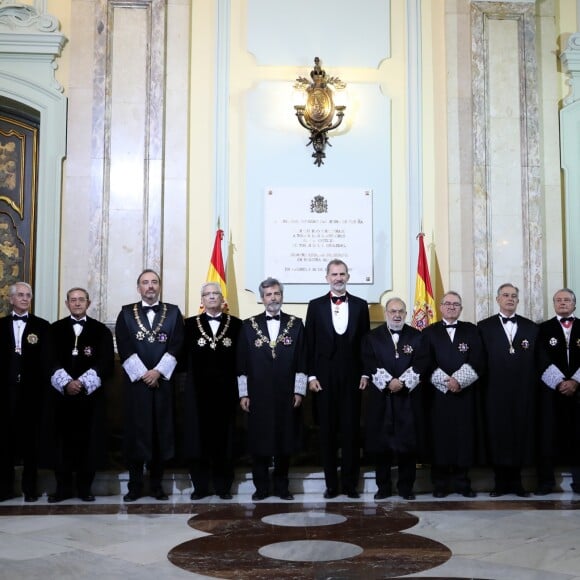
(310, 551)
(301, 519)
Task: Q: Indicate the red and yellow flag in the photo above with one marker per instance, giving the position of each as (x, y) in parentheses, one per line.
(424, 311)
(216, 271)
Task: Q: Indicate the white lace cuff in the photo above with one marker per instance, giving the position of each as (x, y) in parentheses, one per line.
(381, 379)
(166, 365)
(90, 381)
(552, 377)
(300, 382)
(465, 376)
(243, 386)
(134, 368)
(60, 379)
(438, 380)
(410, 378)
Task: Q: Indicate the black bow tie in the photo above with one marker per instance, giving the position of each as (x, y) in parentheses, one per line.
(338, 299)
(275, 317)
(505, 319)
(394, 331)
(75, 321)
(567, 319)
(147, 309)
(24, 317)
(450, 326)
(216, 318)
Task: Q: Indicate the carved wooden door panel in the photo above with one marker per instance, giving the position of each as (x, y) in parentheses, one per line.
(18, 190)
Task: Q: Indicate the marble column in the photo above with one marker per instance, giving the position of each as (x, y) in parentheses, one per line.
(570, 153)
(507, 222)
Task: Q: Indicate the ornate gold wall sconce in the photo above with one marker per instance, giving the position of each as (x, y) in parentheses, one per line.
(319, 114)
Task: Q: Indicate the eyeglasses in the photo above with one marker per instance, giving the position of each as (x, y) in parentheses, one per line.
(211, 294)
(451, 304)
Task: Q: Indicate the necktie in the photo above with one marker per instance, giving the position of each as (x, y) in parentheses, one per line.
(338, 299)
(505, 319)
(147, 309)
(275, 317)
(24, 317)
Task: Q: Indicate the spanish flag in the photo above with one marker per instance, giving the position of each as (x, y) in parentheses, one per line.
(216, 272)
(424, 311)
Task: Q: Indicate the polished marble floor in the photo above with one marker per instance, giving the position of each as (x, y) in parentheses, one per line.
(505, 538)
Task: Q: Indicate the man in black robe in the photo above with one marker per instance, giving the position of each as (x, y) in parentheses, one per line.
(149, 340)
(451, 360)
(211, 394)
(559, 403)
(82, 358)
(509, 389)
(335, 326)
(392, 400)
(272, 383)
(23, 389)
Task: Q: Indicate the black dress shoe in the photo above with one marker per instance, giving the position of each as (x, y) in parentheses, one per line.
(439, 494)
(330, 493)
(7, 496)
(469, 493)
(352, 493)
(197, 495)
(408, 496)
(28, 498)
(286, 496)
(55, 498)
(543, 491)
(131, 496)
(382, 494)
(87, 497)
(160, 495)
(258, 496)
(521, 492)
(496, 493)
(227, 495)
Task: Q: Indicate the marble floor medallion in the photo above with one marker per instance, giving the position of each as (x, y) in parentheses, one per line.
(272, 541)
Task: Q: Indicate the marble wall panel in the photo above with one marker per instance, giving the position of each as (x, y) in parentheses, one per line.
(507, 210)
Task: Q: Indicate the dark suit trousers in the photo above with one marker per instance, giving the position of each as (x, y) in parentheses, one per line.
(218, 469)
(407, 471)
(260, 465)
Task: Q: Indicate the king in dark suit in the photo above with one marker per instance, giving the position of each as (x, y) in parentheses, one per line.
(451, 360)
(393, 406)
(149, 340)
(82, 358)
(559, 361)
(509, 390)
(211, 394)
(24, 363)
(272, 383)
(335, 326)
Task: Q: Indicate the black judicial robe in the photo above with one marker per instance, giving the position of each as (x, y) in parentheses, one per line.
(211, 389)
(81, 416)
(274, 425)
(321, 339)
(393, 421)
(453, 420)
(149, 410)
(509, 390)
(23, 385)
(559, 415)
